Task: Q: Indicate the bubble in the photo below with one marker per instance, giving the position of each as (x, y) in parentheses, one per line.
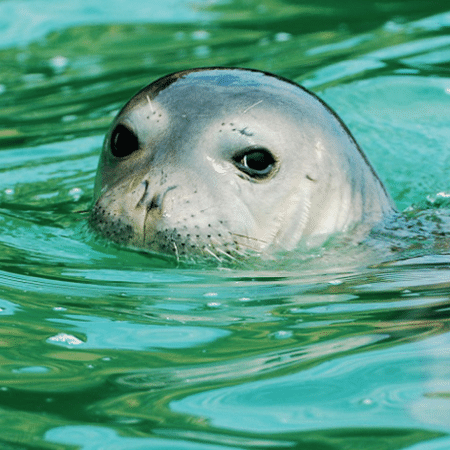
(211, 294)
(214, 304)
(69, 118)
(200, 35)
(59, 63)
(202, 51)
(283, 37)
(76, 193)
(65, 339)
(282, 334)
(393, 27)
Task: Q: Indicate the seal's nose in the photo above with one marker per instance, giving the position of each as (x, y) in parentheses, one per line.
(156, 198)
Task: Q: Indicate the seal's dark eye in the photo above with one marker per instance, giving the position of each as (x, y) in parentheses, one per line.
(255, 162)
(123, 142)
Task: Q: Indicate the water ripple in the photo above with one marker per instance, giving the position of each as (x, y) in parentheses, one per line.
(122, 335)
(375, 391)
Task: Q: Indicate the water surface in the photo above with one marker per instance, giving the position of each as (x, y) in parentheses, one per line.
(345, 347)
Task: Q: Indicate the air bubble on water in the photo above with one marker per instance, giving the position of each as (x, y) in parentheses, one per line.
(210, 294)
(393, 27)
(214, 304)
(200, 35)
(69, 118)
(59, 63)
(283, 37)
(282, 334)
(63, 338)
(76, 193)
(202, 51)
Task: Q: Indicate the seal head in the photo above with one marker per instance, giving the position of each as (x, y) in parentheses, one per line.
(224, 162)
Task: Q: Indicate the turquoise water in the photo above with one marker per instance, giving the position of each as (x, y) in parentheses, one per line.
(346, 347)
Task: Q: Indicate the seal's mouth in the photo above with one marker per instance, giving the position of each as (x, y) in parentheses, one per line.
(211, 242)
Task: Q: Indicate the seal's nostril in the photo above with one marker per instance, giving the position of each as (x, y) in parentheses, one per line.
(144, 195)
(156, 202)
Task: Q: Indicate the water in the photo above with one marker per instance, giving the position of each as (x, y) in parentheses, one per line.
(346, 347)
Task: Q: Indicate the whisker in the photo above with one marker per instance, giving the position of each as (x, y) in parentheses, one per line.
(176, 252)
(250, 107)
(242, 244)
(150, 104)
(235, 250)
(205, 209)
(216, 241)
(226, 254)
(249, 237)
(212, 254)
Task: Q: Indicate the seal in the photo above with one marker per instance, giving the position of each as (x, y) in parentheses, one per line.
(226, 162)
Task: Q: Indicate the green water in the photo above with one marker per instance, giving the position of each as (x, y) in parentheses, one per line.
(104, 348)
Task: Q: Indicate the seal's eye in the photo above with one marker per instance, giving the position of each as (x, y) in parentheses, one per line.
(123, 142)
(255, 162)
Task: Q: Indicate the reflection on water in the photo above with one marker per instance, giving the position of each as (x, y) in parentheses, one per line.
(343, 347)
